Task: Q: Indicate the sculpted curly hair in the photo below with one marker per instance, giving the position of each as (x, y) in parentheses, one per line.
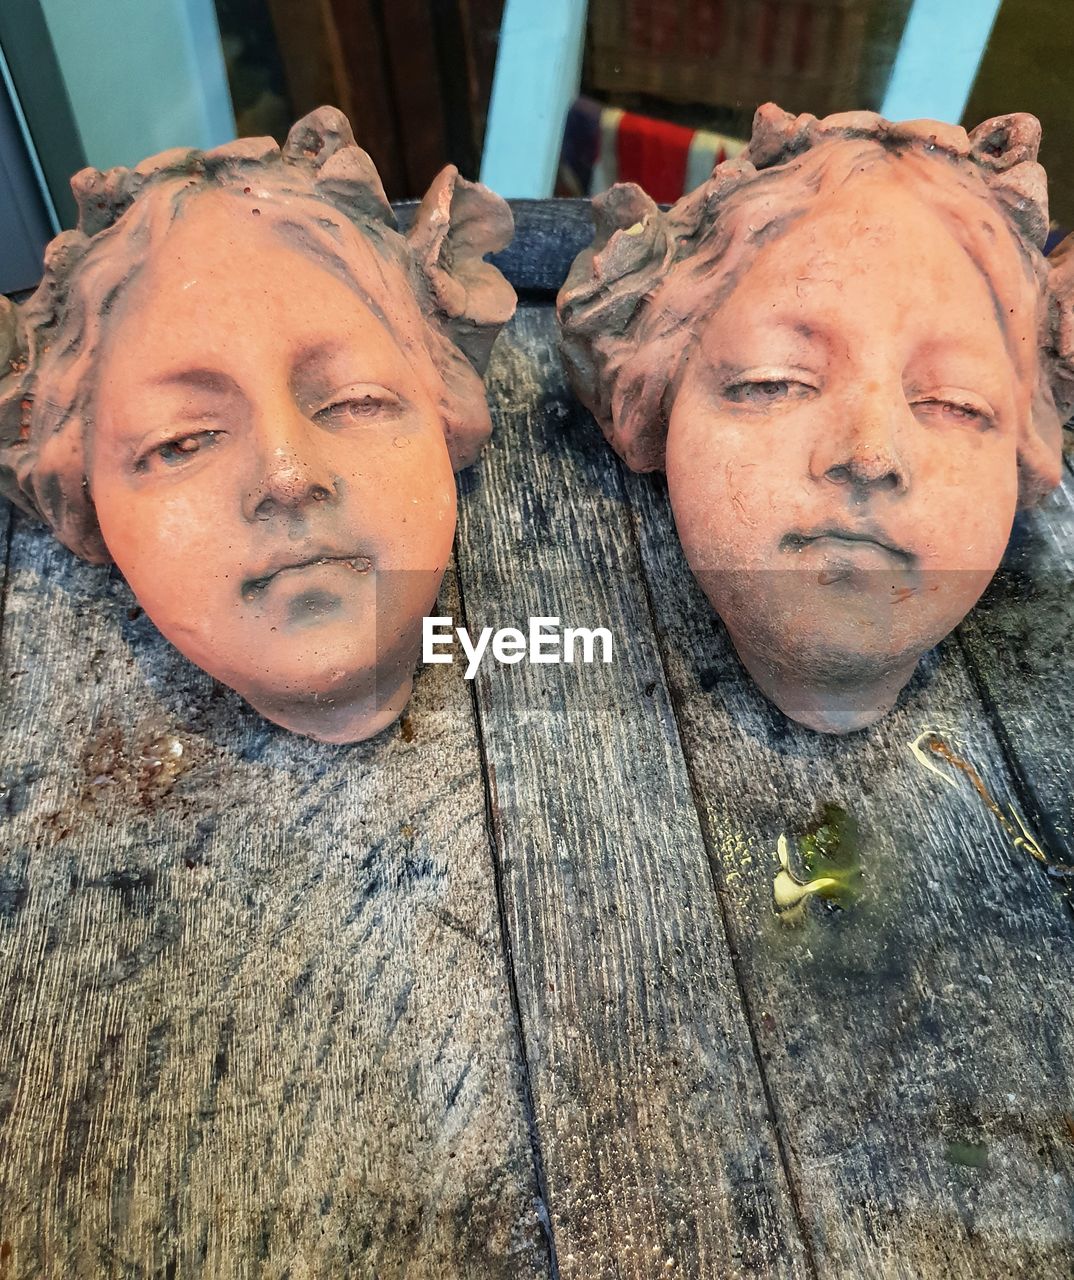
(49, 345)
(648, 275)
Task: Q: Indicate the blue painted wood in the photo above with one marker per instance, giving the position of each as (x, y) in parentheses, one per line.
(941, 48)
(142, 77)
(537, 75)
(27, 219)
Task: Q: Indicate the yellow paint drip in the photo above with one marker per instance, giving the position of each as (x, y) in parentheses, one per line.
(788, 891)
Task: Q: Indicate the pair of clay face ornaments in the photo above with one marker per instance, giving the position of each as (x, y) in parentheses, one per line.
(240, 383)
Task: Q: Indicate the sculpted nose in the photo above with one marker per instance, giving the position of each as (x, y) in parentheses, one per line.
(866, 455)
(292, 474)
(289, 483)
(873, 468)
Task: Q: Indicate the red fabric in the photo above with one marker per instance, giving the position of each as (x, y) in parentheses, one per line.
(653, 154)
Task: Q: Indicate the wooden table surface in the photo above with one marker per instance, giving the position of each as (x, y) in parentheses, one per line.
(503, 992)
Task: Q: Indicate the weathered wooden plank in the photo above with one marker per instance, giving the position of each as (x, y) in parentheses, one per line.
(1020, 645)
(252, 988)
(6, 520)
(356, 43)
(413, 72)
(918, 1044)
(481, 20)
(549, 234)
(658, 1148)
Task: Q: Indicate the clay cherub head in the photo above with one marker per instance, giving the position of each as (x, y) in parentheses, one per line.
(852, 360)
(239, 382)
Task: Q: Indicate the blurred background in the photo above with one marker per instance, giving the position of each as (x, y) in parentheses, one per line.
(535, 97)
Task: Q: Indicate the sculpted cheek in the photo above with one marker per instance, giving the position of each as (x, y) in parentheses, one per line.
(150, 533)
(970, 527)
(747, 491)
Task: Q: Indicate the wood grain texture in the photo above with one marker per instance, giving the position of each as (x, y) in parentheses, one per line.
(254, 1006)
(304, 38)
(6, 522)
(481, 21)
(356, 37)
(917, 1045)
(412, 67)
(258, 1018)
(1020, 645)
(658, 1148)
(548, 236)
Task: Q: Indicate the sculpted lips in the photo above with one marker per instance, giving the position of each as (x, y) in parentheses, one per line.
(849, 541)
(287, 568)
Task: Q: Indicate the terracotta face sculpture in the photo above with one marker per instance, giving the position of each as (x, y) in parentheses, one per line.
(242, 385)
(853, 362)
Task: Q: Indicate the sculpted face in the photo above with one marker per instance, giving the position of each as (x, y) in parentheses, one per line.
(853, 361)
(269, 468)
(842, 447)
(245, 385)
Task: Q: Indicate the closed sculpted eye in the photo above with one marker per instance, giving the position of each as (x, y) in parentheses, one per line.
(765, 388)
(357, 405)
(949, 407)
(178, 450)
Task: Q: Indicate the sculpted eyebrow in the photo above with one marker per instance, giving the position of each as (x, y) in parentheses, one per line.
(316, 352)
(814, 333)
(210, 381)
